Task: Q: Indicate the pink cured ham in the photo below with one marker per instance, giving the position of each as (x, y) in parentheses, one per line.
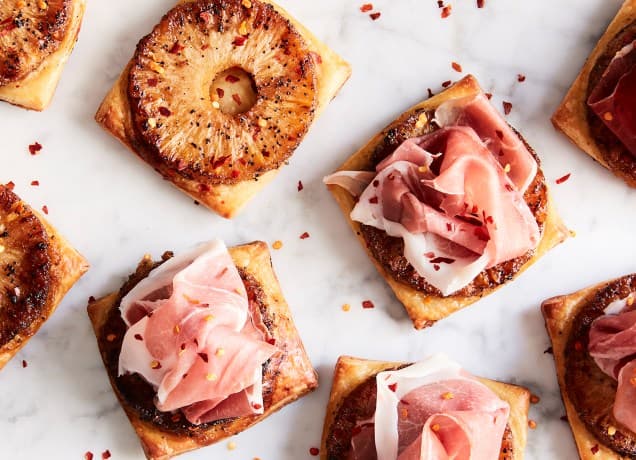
(613, 347)
(194, 336)
(614, 97)
(432, 410)
(458, 209)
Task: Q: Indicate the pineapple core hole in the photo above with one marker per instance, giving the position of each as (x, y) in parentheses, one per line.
(233, 91)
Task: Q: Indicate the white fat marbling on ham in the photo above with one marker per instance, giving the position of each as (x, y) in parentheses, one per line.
(612, 344)
(433, 410)
(466, 216)
(202, 346)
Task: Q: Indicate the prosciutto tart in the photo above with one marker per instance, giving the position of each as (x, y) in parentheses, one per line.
(598, 112)
(200, 346)
(219, 95)
(449, 202)
(593, 333)
(428, 410)
(36, 39)
(39, 267)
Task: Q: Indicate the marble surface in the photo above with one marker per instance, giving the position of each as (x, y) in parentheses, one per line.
(114, 209)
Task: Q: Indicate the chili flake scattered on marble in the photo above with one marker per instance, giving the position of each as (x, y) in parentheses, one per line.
(521, 78)
(367, 304)
(88, 455)
(480, 3)
(548, 351)
(24, 363)
(446, 11)
(106, 454)
(304, 236)
(488, 95)
(366, 7)
(456, 67)
(507, 106)
(35, 148)
(314, 451)
(45, 209)
(35, 183)
(375, 16)
(534, 399)
(300, 186)
(446, 84)
(430, 92)
(560, 180)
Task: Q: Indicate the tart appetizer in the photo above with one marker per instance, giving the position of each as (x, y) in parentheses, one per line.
(593, 340)
(429, 410)
(449, 202)
(219, 95)
(200, 346)
(599, 112)
(36, 39)
(38, 266)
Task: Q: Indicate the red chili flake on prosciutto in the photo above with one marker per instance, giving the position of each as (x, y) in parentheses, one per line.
(176, 48)
(430, 92)
(235, 174)
(314, 451)
(220, 162)
(367, 304)
(521, 78)
(220, 93)
(139, 337)
(106, 454)
(594, 449)
(366, 7)
(509, 188)
(446, 84)
(560, 180)
(449, 227)
(257, 406)
(204, 357)
(24, 363)
(373, 200)
(165, 111)
(488, 95)
(480, 3)
(35, 148)
(236, 98)
(393, 387)
(456, 67)
(304, 236)
(499, 134)
(442, 260)
(88, 455)
(152, 82)
(300, 186)
(271, 341)
(231, 79)
(239, 41)
(35, 183)
(430, 255)
(376, 183)
(481, 233)
(490, 220)
(45, 209)
(446, 11)
(436, 268)
(507, 106)
(375, 16)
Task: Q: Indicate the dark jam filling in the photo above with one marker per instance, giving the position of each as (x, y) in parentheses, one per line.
(591, 391)
(359, 406)
(136, 391)
(389, 251)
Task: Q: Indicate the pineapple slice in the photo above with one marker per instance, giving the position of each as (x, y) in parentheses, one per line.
(30, 31)
(222, 91)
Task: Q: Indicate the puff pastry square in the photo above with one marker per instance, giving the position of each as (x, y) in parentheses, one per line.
(290, 376)
(425, 309)
(351, 372)
(36, 89)
(226, 199)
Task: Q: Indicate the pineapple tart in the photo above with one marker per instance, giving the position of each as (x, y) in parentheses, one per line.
(36, 39)
(219, 95)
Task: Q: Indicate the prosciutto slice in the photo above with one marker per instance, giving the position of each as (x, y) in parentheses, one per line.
(614, 97)
(194, 336)
(613, 346)
(458, 209)
(432, 410)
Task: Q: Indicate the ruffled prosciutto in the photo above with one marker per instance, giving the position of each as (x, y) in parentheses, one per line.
(432, 410)
(454, 196)
(194, 336)
(613, 347)
(614, 97)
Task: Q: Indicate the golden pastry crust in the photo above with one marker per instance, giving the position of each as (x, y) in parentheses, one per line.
(295, 377)
(351, 372)
(66, 267)
(36, 90)
(114, 115)
(425, 309)
(571, 116)
(559, 313)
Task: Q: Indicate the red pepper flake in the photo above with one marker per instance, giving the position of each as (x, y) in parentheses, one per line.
(35, 148)
(488, 95)
(271, 341)
(152, 82)
(257, 406)
(367, 304)
(165, 111)
(509, 188)
(91, 299)
(499, 134)
(436, 267)
(35, 183)
(176, 48)
(442, 260)
(548, 351)
(480, 3)
(220, 93)
(204, 357)
(236, 98)
(481, 233)
(594, 449)
(430, 255)
(314, 451)
(564, 418)
(304, 236)
(440, 3)
(521, 78)
(507, 106)
(235, 173)
(231, 79)
(139, 337)
(560, 180)
(373, 200)
(393, 387)
(300, 186)
(456, 67)
(45, 209)
(106, 454)
(88, 455)
(239, 41)
(366, 7)
(446, 11)
(449, 226)
(446, 84)
(24, 364)
(430, 92)
(375, 16)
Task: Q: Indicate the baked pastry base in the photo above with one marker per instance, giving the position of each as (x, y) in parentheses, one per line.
(37, 89)
(296, 376)
(571, 116)
(424, 309)
(67, 267)
(114, 116)
(559, 312)
(351, 372)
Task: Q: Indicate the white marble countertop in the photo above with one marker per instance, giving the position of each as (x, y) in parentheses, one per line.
(114, 209)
